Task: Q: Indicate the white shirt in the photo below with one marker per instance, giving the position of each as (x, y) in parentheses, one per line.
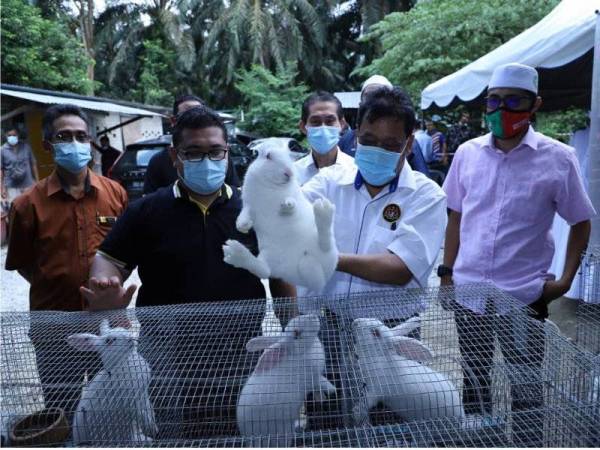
(361, 228)
(306, 167)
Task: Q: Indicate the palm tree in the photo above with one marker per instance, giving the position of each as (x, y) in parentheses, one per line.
(265, 32)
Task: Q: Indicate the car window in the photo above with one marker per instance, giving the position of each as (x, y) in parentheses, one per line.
(142, 157)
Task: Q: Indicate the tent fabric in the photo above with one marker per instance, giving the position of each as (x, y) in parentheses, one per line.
(564, 36)
(85, 104)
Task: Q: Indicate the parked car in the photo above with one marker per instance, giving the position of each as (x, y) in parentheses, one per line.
(130, 168)
(296, 150)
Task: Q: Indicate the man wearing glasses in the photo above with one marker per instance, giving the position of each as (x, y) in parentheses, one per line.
(55, 229)
(503, 191)
(175, 236)
(389, 219)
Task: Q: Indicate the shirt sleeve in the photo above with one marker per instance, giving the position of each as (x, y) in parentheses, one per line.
(420, 233)
(316, 187)
(20, 253)
(453, 188)
(572, 202)
(121, 244)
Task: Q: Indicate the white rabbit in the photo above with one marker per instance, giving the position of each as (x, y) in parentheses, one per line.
(291, 366)
(295, 238)
(115, 405)
(388, 362)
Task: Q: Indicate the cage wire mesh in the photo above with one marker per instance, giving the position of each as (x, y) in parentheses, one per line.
(463, 366)
(589, 284)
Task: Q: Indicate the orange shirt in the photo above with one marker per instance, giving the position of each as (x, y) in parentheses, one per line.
(53, 237)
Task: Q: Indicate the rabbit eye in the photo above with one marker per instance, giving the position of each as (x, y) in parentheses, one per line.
(376, 333)
(109, 341)
(268, 156)
(296, 334)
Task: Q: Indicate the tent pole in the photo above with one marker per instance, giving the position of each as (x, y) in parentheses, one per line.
(594, 145)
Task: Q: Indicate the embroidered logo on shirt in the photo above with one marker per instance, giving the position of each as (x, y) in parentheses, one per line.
(391, 213)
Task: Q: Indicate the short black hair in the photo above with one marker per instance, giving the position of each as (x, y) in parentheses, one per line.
(321, 96)
(196, 118)
(388, 102)
(185, 98)
(56, 111)
(104, 137)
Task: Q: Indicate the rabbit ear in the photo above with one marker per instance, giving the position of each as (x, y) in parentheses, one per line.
(406, 327)
(261, 342)
(412, 349)
(104, 327)
(84, 342)
(271, 357)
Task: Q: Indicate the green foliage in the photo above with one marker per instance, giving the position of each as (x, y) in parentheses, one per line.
(438, 37)
(271, 102)
(156, 86)
(40, 53)
(560, 124)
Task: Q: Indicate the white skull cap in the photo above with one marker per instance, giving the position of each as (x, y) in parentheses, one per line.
(515, 75)
(376, 79)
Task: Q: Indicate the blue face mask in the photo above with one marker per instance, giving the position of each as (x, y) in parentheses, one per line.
(376, 165)
(204, 177)
(72, 156)
(322, 139)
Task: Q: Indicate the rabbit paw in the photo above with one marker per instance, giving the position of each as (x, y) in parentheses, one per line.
(242, 225)
(324, 211)
(236, 254)
(287, 207)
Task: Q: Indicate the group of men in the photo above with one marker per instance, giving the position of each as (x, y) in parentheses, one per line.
(76, 240)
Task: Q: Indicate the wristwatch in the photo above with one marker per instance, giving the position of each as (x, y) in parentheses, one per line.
(444, 271)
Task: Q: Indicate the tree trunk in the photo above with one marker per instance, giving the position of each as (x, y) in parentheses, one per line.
(86, 24)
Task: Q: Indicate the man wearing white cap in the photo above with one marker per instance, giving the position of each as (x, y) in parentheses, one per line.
(503, 190)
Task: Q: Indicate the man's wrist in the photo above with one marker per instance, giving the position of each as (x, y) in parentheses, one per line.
(444, 271)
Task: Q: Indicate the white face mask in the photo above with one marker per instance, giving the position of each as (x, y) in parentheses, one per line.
(12, 140)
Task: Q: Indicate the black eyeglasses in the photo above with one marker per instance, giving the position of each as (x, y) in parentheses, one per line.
(516, 102)
(215, 154)
(67, 136)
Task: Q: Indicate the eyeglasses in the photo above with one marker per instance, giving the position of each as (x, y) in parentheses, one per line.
(397, 147)
(194, 155)
(67, 136)
(516, 102)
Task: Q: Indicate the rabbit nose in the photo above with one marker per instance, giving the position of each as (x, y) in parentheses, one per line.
(287, 174)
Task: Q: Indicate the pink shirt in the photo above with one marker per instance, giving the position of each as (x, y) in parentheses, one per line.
(508, 202)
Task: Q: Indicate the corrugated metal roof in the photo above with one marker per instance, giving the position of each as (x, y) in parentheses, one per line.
(85, 104)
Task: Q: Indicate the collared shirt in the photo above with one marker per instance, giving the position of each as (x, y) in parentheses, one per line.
(306, 167)
(178, 248)
(54, 237)
(17, 165)
(508, 202)
(407, 218)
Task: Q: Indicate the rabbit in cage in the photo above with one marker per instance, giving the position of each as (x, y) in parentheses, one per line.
(115, 405)
(291, 367)
(389, 363)
(295, 239)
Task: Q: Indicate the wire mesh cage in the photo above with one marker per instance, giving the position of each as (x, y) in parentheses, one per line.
(589, 287)
(588, 327)
(434, 367)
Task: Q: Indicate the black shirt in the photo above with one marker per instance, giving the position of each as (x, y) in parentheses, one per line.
(178, 250)
(160, 173)
(109, 156)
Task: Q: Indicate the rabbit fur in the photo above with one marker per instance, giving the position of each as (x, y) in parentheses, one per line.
(388, 362)
(115, 405)
(295, 239)
(291, 366)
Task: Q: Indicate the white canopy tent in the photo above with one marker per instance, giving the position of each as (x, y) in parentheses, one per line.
(565, 49)
(561, 38)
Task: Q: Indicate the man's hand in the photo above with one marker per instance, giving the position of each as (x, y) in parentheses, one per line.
(554, 289)
(107, 293)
